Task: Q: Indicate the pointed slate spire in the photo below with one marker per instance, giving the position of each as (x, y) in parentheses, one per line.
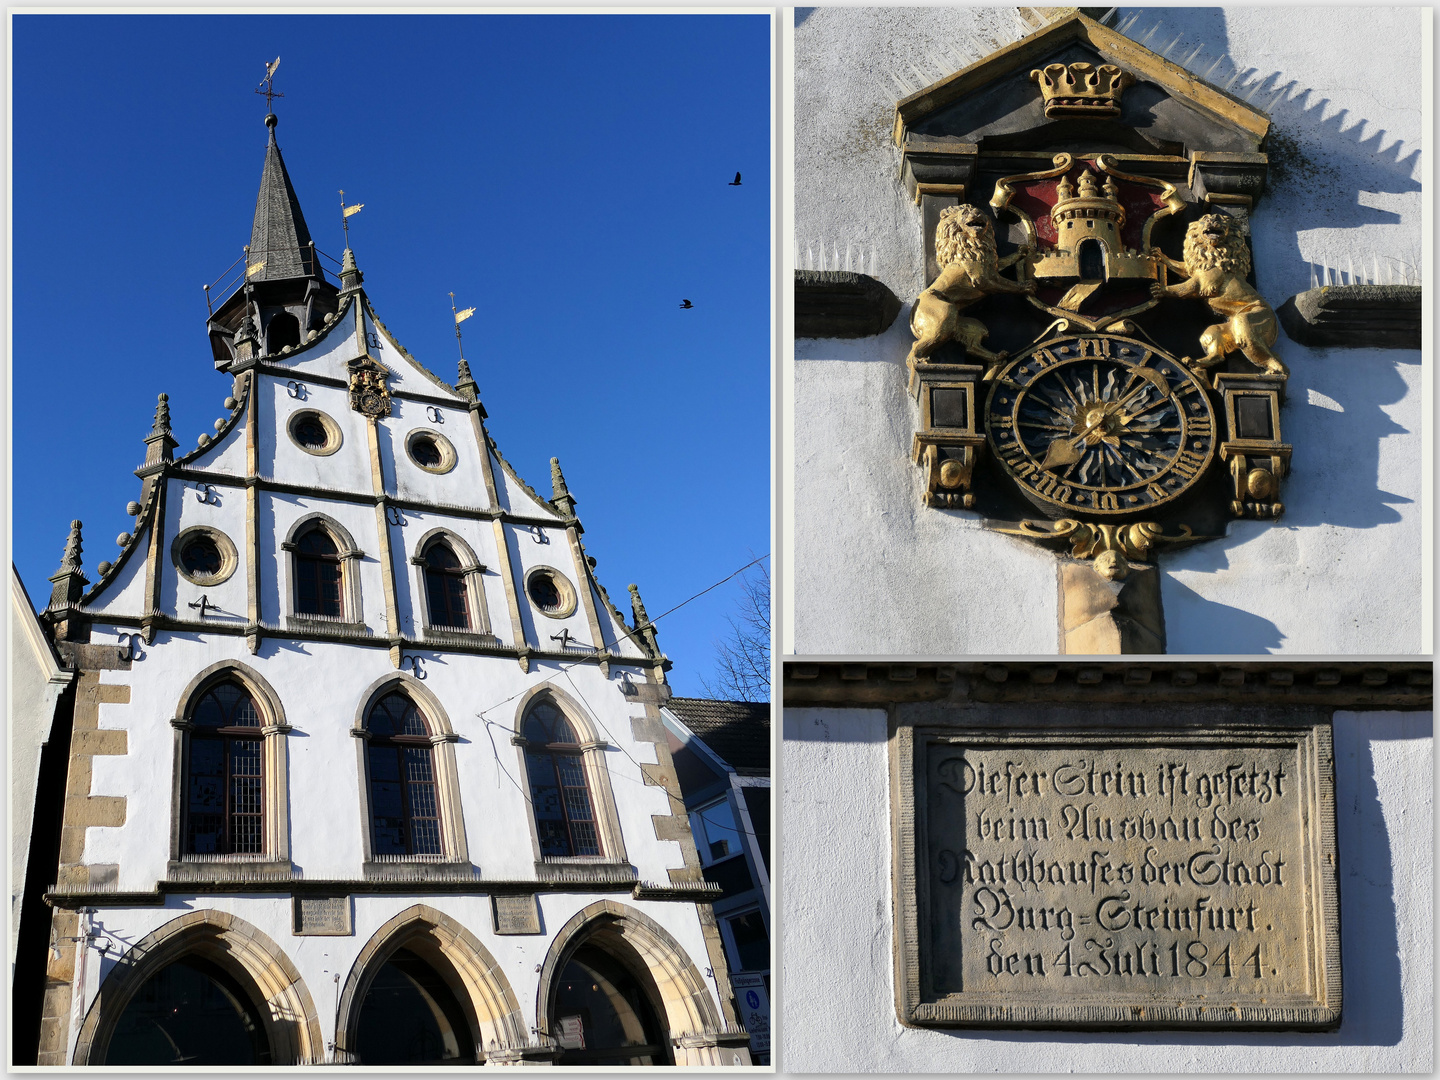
(160, 443)
(562, 499)
(69, 580)
(279, 236)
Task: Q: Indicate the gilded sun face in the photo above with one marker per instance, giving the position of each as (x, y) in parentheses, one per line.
(1103, 425)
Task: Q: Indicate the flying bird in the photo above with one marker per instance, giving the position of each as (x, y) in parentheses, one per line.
(735, 182)
(686, 304)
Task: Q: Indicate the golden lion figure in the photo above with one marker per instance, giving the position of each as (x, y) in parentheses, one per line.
(970, 271)
(1216, 262)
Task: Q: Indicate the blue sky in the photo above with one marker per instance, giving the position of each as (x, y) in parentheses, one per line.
(566, 175)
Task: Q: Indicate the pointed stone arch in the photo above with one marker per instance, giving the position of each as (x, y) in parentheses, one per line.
(292, 1025)
(458, 957)
(631, 936)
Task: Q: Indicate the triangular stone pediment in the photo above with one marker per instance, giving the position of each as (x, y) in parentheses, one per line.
(995, 106)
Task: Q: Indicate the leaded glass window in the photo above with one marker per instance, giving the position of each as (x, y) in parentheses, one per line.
(445, 588)
(559, 791)
(225, 782)
(318, 576)
(404, 804)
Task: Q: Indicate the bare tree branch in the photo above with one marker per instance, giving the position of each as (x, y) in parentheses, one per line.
(742, 660)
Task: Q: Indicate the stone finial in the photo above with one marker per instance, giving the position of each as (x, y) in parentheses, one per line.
(160, 443)
(561, 498)
(69, 581)
(643, 625)
(466, 384)
(350, 276)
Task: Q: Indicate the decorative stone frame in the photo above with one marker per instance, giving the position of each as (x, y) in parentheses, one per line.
(477, 980)
(454, 861)
(276, 989)
(473, 570)
(274, 861)
(448, 456)
(334, 436)
(229, 557)
(350, 556)
(682, 997)
(612, 862)
(922, 731)
(569, 598)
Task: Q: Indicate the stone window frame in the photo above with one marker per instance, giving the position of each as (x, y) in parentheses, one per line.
(332, 429)
(448, 455)
(352, 617)
(569, 597)
(474, 571)
(454, 860)
(613, 861)
(229, 555)
(274, 861)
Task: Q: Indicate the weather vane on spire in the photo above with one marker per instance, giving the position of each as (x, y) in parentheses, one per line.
(460, 316)
(269, 91)
(346, 212)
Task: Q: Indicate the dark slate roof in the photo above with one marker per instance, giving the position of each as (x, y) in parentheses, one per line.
(279, 234)
(738, 731)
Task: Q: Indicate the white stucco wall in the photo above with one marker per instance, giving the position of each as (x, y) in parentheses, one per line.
(837, 987)
(1343, 571)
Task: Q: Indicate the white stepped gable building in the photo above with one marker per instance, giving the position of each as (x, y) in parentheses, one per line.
(366, 767)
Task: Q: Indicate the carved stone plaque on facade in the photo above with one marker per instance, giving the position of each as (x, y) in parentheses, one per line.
(1139, 875)
(323, 916)
(516, 914)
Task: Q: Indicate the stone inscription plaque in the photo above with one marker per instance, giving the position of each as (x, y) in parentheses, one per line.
(1117, 879)
(322, 916)
(516, 914)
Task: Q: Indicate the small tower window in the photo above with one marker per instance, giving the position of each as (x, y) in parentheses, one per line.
(426, 452)
(445, 588)
(318, 576)
(559, 791)
(284, 330)
(404, 808)
(224, 801)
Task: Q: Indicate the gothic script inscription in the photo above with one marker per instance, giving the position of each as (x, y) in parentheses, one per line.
(1119, 880)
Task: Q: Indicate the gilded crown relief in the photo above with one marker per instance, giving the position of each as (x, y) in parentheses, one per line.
(1094, 364)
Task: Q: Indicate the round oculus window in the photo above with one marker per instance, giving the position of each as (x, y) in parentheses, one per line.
(201, 558)
(314, 432)
(204, 556)
(430, 450)
(550, 592)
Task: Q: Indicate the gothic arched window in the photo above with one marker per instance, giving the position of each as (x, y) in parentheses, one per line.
(319, 576)
(225, 775)
(450, 601)
(404, 803)
(565, 821)
(445, 588)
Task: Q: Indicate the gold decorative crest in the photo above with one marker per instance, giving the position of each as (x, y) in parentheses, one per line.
(369, 393)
